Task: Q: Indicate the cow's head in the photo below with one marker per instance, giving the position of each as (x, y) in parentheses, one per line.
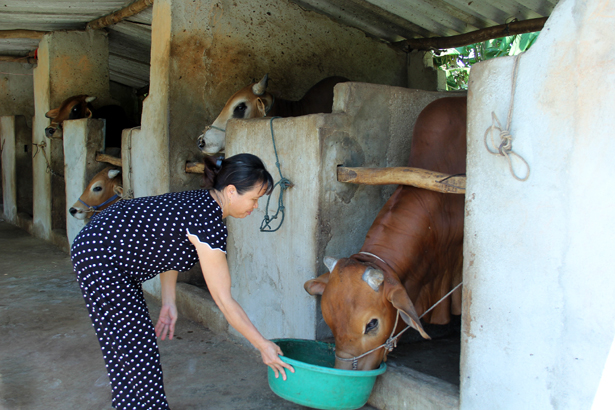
(104, 190)
(252, 101)
(360, 303)
(72, 108)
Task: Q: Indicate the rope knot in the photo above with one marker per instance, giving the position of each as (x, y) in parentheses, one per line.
(390, 344)
(506, 144)
(505, 147)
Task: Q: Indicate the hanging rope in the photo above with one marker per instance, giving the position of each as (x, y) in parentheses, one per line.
(42, 146)
(284, 185)
(505, 147)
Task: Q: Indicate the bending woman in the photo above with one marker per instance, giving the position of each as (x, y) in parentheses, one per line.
(135, 240)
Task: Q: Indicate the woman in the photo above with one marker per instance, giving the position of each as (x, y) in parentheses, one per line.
(135, 240)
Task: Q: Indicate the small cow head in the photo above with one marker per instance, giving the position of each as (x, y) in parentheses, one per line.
(104, 190)
(252, 101)
(72, 108)
(360, 303)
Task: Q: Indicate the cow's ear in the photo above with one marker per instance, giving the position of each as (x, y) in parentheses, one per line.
(400, 300)
(316, 286)
(118, 190)
(330, 262)
(113, 173)
(260, 106)
(88, 113)
(52, 113)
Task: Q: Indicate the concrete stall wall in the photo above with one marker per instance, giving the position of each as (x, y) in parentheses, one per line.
(82, 140)
(202, 52)
(538, 321)
(371, 126)
(69, 63)
(16, 90)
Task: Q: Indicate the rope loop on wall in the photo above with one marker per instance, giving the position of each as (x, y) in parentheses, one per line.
(42, 146)
(504, 148)
(284, 184)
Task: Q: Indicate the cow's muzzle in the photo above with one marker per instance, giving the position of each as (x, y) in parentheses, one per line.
(51, 132)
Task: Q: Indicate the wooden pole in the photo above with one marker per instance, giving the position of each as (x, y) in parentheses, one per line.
(109, 159)
(23, 60)
(417, 177)
(122, 14)
(36, 35)
(438, 43)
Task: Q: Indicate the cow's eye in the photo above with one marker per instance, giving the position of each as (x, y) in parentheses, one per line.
(240, 110)
(75, 108)
(97, 189)
(373, 324)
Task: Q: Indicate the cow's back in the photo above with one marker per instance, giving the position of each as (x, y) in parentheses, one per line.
(439, 137)
(420, 232)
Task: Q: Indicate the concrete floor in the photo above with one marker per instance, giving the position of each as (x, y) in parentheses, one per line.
(50, 357)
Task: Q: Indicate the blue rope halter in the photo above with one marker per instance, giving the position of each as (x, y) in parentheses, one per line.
(94, 208)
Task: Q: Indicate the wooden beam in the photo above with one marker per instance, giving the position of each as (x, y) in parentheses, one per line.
(122, 14)
(438, 43)
(195, 168)
(417, 177)
(109, 159)
(36, 35)
(22, 60)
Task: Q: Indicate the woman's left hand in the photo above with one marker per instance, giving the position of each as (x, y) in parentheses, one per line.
(166, 321)
(270, 353)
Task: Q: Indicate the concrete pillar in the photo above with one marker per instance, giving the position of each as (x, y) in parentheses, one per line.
(69, 63)
(323, 217)
(9, 168)
(538, 317)
(422, 74)
(82, 140)
(15, 134)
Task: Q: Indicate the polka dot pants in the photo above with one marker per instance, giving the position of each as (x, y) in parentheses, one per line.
(125, 331)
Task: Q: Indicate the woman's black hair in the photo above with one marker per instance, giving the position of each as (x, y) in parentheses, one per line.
(244, 171)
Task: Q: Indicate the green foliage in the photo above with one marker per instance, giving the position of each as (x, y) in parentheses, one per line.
(458, 61)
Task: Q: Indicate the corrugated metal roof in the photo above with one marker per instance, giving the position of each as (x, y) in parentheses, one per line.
(387, 20)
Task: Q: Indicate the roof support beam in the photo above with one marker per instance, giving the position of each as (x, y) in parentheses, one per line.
(37, 35)
(22, 60)
(122, 14)
(438, 43)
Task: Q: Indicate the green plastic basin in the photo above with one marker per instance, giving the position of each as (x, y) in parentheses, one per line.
(316, 383)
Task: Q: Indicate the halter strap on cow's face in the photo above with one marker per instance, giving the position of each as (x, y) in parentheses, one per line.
(94, 208)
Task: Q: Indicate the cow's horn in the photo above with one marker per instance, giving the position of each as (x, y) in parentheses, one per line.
(90, 99)
(330, 263)
(373, 277)
(260, 87)
(113, 173)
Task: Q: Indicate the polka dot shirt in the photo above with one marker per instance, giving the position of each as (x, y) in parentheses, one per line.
(148, 235)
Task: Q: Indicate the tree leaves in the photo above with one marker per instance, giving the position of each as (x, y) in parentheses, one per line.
(458, 61)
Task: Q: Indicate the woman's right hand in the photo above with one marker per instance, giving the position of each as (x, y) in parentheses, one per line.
(270, 352)
(166, 322)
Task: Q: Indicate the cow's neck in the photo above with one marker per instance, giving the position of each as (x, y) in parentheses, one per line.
(407, 237)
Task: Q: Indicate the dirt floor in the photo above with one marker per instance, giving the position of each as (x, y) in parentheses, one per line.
(50, 358)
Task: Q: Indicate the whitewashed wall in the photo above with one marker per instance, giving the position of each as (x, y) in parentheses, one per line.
(539, 319)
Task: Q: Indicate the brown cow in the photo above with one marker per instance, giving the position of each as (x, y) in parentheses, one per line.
(253, 101)
(412, 254)
(104, 190)
(79, 106)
